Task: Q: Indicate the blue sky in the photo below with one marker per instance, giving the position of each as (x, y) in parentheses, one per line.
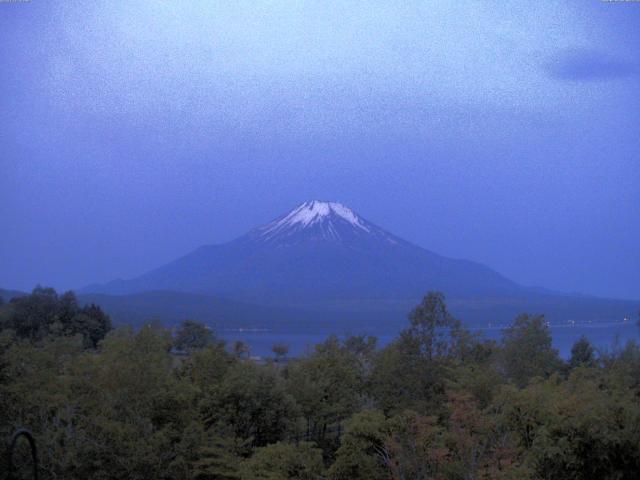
(503, 132)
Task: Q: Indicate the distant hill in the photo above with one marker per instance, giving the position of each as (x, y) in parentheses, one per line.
(354, 316)
(7, 295)
(172, 307)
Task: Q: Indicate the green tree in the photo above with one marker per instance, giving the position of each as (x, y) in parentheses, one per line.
(578, 428)
(415, 447)
(241, 349)
(252, 402)
(92, 323)
(191, 336)
(43, 313)
(363, 454)
(361, 345)
(432, 329)
(284, 461)
(31, 316)
(207, 367)
(280, 350)
(623, 366)
(36, 393)
(476, 374)
(470, 439)
(328, 387)
(582, 354)
(412, 371)
(203, 454)
(527, 351)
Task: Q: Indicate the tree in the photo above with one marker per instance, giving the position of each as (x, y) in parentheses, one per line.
(527, 351)
(43, 313)
(432, 328)
(31, 316)
(252, 402)
(578, 428)
(241, 349)
(415, 447)
(328, 387)
(281, 351)
(192, 336)
(476, 374)
(469, 439)
(92, 323)
(130, 404)
(361, 345)
(437, 403)
(206, 367)
(206, 455)
(582, 354)
(284, 461)
(623, 366)
(363, 454)
(411, 372)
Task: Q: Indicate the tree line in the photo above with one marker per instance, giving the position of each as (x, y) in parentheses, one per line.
(437, 403)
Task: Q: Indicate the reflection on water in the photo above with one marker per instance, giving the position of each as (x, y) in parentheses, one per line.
(604, 336)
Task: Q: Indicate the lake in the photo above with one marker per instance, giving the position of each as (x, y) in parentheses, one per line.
(604, 336)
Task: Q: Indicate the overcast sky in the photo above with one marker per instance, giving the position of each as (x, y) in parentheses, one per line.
(503, 132)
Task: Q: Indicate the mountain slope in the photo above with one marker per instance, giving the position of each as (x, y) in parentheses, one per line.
(320, 251)
(322, 264)
(7, 295)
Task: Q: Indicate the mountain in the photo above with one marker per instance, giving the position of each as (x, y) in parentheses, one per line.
(318, 252)
(7, 295)
(322, 262)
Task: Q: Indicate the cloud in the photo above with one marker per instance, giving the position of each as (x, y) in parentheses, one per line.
(582, 65)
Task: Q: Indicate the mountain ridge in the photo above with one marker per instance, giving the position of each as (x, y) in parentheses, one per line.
(324, 247)
(322, 262)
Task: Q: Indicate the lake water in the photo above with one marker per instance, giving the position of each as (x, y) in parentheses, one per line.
(604, 336)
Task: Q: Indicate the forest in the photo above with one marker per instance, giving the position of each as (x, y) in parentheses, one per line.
(437, 403)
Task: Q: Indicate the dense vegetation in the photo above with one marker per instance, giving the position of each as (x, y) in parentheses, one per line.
(437, 403)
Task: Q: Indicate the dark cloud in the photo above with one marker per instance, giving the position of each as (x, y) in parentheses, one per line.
(590, 65)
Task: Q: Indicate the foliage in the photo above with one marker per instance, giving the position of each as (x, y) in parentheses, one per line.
(362, 454)
(251, 402)
(192, 336)
(574, 429)
(284, 461)
(280, 350)
(437, 403)
(582, 354)
(527, 350)
(412, 372)
(328, 387)
(44, 313)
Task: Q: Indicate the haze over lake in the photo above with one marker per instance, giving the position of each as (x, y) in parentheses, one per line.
(606, 337)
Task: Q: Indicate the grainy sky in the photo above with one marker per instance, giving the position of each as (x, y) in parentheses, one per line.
(503, 132)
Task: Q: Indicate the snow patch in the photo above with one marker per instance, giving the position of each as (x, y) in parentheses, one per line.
(310, 213)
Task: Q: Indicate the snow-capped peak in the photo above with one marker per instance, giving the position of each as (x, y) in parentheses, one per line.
(314, 212)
